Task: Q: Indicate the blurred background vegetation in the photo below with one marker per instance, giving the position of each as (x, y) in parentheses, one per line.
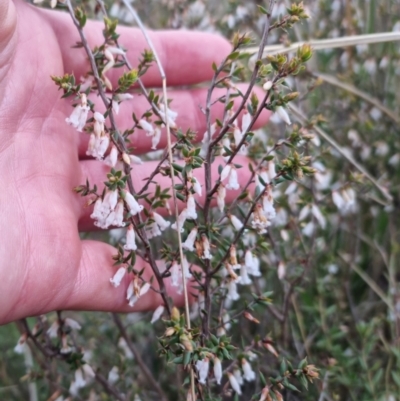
(333, 267)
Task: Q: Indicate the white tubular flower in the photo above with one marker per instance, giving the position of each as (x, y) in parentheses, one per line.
(65, 349)
(252, 263)
(21, 346)
(237, 135)
(244, 276)
(238, 377)
(119, 215)
(236, 222)
(189, 243)
(157, 314)
(168, 114)
(118, 99)
(175, 274)
(108, 221)
(133, 205)
(155, 140)
(118, 276)
(248, 373)
(144, 289)
(281, 270)
(102, 146)
(206, 247)
(226, 172)
(52, 332)
(111, 62)
(283, 114)
(124, 347)
(234, 384)
(98, 126)
(181, 221)
(217, 369)
(319, 216)
(111, 199)
(246, 121)
(116, 50)
(251, 355)
(113, 375)
(136, 292)
(202, 367)
(130, 239)
(268, 205)
(135, 159)
(161, 222)
(86, 82)
(79, 115)
(79, 379)
(304, 212)
(260, 221)
(196, 186)
(147, 127)
(221, 194)
(185, 267)
(226, 320)
(124, 96)
(191, 207)
(233, 180)
(268, 85)
(73, 389)
(152, 230)
(308, 229)
(91, 150)
(213, 128)
(73, 324)
(112, 158)
(232, 291)
(88, 372)
(271, 170)
(338, 199)
(130, 290)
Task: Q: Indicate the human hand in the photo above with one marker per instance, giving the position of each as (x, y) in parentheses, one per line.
(44, 265)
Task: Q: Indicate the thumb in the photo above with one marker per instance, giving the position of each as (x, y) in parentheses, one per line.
(8, 35)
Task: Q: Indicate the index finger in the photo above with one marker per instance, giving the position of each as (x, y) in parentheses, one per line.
(186, 56)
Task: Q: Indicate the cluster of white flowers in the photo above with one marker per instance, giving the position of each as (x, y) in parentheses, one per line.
(156, 226)
(229, 171)
(80, 114)
(136, 290)
(108, 211)
(345, 200)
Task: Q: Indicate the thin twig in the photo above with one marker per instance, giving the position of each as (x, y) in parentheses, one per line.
(322, 44)
(146, 371)
(172, 170)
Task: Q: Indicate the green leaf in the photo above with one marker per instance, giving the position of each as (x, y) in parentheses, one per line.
(233, 55)
(263, 380)
(186, 358)
(291, 387)
(283, 367)
(263, 10)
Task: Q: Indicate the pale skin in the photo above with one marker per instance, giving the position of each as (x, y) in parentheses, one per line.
(44, 265)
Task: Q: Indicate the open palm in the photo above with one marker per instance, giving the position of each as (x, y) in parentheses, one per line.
(44, 265)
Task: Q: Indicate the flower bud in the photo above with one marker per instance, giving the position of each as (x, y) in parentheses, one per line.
(175, 315)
